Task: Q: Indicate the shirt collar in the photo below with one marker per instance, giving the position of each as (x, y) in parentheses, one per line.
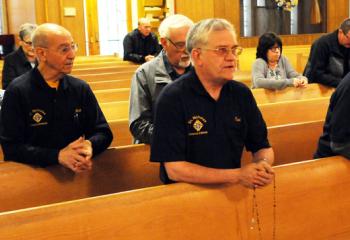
(169, 68)
(40, 81)
(198, 87)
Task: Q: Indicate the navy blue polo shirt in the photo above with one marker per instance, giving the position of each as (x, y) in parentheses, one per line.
(191, 126)
(336, 128)
(38, 121)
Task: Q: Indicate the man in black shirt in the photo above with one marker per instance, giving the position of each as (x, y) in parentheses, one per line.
(329, 59)
(204, 119)
(49, 117)
(141, 45)
(335, 139)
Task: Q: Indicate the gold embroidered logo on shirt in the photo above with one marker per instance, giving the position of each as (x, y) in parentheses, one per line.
(38, 116)
(197, 123)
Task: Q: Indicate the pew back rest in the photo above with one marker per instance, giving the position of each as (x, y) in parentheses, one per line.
(183, 211)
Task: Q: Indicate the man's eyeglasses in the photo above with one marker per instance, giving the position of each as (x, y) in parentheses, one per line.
(64, 50)
(29, 43)
(224, 51)
(178, 45)
(274, 49)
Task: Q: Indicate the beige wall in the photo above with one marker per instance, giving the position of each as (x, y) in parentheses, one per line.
(19, 12)
(53, 11)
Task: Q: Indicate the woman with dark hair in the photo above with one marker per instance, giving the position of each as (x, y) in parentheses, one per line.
(272, 70)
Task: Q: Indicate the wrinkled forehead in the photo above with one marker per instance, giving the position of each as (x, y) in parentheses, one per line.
(222, 38)
(58, 39)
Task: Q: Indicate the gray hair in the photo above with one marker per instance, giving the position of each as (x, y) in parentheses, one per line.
(345, 26)
(26, 29)
(171, 22)
(41, 34)
(198, 34)
(143, 21)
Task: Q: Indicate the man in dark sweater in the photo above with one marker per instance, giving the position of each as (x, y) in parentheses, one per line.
(141, 45)
(23, 59)
(329, 57)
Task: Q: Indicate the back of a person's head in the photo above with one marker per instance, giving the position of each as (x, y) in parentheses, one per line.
(26, 29)
(345, 26)
(267, 41)
(173, 22)
(198, 34)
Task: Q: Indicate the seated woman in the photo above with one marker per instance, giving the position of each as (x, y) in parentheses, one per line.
(272, 70)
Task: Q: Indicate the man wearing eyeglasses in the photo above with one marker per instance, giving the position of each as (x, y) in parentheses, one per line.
(205, 119)
(23, 59)
(329, 59)
(141, 45)
(150, 78)
(49, 117)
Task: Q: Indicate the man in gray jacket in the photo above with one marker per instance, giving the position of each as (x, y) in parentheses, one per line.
(151, 77)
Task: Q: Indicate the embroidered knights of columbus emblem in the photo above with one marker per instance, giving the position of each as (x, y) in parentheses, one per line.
(37, 117)
(198, 125)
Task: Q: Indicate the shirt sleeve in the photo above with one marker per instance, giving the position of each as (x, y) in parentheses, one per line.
(256, 126)
(12, 135)
(169, 134)
(96, 127)
(140, 108)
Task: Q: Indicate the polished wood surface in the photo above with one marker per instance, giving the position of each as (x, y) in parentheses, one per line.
(311, 202)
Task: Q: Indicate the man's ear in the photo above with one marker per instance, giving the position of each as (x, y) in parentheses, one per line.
(40, 54)
(164, 42)
(196, 56)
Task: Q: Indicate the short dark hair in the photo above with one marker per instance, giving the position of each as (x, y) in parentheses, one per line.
(345, 26)
(267, 41)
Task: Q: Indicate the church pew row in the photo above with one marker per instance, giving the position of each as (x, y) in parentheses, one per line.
(109, 84)
(183, 211)
(126, 168)
(96, 70)
(92, 77)
(83, 65)
(274, 113)
(261, 95)
(97, 76)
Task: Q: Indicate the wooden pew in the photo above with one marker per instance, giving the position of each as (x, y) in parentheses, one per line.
(261, 96)
(126, 168)
(115, 170)
(105, 76)
(294, 111)
(111, 95)
(312, 202)
(313, 90)
(274, 113)
(98, 70)
(109, 84)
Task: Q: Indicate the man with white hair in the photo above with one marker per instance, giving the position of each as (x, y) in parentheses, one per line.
(141, 45)
(49, 117)
(205, 119)
(150, 78)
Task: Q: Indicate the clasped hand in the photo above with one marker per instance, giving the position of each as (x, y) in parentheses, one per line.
(256, 175)
(77, 155)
